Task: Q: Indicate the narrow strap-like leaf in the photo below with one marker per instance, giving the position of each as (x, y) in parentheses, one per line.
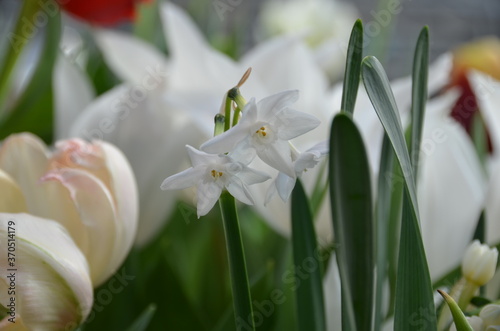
(352, 215)
(352, 68)
(414, 308)
(419, 94)
(458, 316)
(310, 306)
(242, 301)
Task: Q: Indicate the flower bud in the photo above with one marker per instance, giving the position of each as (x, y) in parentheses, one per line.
(45, 282)
(490, 314)
(479, 263)
(88, 188)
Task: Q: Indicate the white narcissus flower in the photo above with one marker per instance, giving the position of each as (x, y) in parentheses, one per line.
(50, 286)
(284, 184)
(179, 110)
(479, 264)
(266, 127)
(88, 188)
(211, 173)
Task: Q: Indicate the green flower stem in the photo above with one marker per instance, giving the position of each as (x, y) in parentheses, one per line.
(242, 301)
(236, 116)
(227, 113)
(18, 41)
(468, 292)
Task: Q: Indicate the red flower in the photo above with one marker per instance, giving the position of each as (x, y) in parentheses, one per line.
(101, 12)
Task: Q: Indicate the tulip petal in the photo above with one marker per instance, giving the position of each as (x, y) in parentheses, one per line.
(12, 200)
(53, 285)
(487, 91)
(133, 60)
(451, 189)
(123, 188)
(97, 215)
(23, 157)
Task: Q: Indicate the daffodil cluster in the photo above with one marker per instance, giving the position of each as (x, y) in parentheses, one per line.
(262, 134)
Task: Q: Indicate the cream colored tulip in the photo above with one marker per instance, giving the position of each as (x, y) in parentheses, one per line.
(88, 188)
(45, 283)
(479, 263)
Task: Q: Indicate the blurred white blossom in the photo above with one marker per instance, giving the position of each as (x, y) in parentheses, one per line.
(48, 278)
(88, 188)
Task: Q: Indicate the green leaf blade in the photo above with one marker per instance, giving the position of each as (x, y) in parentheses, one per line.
(458, 316)
(353, 68)
(414, 305)
(352, 214)
(310, 303)
(419, 94)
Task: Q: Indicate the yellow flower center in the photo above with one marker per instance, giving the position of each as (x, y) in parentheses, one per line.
(262, 131)
(216, 174)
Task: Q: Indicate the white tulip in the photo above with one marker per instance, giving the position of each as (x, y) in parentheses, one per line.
(479, 263)
(88, 188)
(45, 283)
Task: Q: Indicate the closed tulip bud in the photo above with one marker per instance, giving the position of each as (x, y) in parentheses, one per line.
(490, 314)
(44, 283)
(479, 263)
(89, 188)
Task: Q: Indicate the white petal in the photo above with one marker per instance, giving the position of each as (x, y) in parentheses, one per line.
(285, 185)
(133, 60)
(53, 285)
(270, 106)
(193, 57)
(294, 123)
(278, 156)
(226, 141)
(73, 91)
(100, 237)
(251, 176)
(125, 194)
(23, 157)
(285, 63)
(201, 158)
(451, 192)
(12, 200)
(239, 190)
(207, 195)
(184, 179)
(487, 91)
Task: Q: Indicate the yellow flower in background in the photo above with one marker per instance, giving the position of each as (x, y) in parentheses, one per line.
(89, 188)
(45, 283)
(482, 55)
